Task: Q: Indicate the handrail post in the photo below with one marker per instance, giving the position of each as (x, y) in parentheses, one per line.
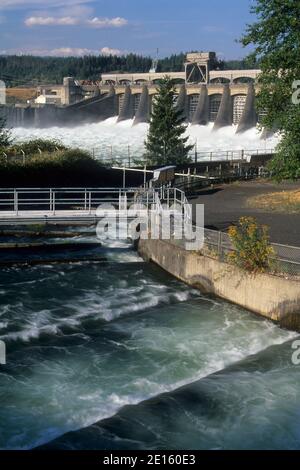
(220, 245)
(90, 202)
(53, 202)
(128, 156)
(85, 199)
(16, 203)
(50, 199)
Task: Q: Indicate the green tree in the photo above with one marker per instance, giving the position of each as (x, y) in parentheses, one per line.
(276, 37)
(5, 137)
(165, 142)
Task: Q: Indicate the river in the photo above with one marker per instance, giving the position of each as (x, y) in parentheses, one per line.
(84, 339)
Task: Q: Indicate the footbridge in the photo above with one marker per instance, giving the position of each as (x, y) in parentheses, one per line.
(60, 205)
(22, 206)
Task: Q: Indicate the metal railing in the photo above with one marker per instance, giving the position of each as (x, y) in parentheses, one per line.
(50, 200)
(131, 156)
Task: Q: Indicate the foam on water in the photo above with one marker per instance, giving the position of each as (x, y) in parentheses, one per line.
(91, 339)
(101, 136)
(253, 404)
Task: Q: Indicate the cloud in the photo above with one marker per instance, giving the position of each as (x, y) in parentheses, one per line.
(65, 52)
(71, 51)
(75, 19)
(51, 21)
(110, 51)
(107, 22)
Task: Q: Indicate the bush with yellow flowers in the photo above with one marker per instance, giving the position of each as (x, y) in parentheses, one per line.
(251, 243)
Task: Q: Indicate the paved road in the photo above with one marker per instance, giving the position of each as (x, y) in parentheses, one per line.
(226, 204)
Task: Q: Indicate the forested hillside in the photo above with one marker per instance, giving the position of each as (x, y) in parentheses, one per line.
(16, 70)
(30, 70)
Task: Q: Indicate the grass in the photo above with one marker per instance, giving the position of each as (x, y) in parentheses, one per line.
(280, 202)
(20, 95)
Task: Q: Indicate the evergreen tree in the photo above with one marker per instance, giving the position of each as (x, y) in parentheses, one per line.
(165, 142)
(4, 134)
(276, 37)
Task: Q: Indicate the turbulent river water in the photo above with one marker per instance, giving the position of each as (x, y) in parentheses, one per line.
(84, 339)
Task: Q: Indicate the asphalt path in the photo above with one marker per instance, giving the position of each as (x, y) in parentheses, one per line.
(225, 204)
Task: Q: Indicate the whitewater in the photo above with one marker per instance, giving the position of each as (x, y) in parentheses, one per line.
(111, 139)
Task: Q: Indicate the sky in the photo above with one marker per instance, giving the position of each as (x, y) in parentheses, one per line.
(78, 27)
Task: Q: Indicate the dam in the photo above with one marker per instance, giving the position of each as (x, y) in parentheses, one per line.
(204, 95)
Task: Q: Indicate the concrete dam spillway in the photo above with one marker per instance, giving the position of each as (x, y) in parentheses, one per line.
(221, 104)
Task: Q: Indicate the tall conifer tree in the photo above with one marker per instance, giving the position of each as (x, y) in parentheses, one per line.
(166, 143)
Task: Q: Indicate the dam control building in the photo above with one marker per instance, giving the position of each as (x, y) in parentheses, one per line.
(205, 94)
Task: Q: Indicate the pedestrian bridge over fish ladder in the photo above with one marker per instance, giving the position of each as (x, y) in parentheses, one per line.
(22, 206)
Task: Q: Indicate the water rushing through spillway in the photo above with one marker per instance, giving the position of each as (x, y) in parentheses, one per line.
(85, 339)
(109, 138)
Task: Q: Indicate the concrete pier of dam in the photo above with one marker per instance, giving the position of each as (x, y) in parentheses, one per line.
(201, 114)
(249, 116)
(225, 112)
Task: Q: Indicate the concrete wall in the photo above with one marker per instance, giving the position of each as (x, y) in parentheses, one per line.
(273, 297)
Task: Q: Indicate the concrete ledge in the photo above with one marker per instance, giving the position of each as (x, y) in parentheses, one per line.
(273, 297)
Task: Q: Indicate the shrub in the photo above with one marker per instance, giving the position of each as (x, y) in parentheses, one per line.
(250, 240)
(34, 146)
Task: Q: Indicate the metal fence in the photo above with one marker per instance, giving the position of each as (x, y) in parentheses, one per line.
(131, 156)
(286, 259)
(217, 244)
